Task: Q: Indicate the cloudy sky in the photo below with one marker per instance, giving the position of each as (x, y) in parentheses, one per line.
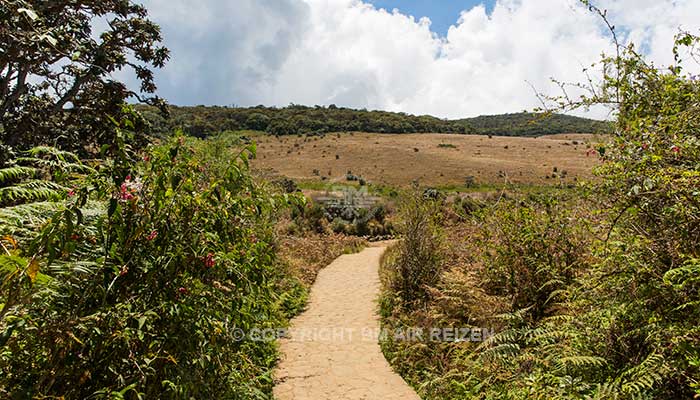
(448, 58)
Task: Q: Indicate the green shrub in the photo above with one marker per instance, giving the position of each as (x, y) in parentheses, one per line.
(607, 315)
(535, 251)
(144, 303)
(467, 206)
(419, 261)
(310, 217)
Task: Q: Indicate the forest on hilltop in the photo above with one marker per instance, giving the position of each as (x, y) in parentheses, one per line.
(202, 121)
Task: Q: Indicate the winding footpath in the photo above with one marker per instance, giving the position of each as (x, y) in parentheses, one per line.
(331, 350)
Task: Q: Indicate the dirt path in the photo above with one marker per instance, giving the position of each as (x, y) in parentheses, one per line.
(331, 351)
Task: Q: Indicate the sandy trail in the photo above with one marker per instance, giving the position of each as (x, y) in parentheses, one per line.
(331, 351)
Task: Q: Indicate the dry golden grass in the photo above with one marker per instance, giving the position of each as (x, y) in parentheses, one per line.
(398, 160)
(309, 254)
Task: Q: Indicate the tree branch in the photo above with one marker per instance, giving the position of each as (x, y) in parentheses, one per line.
(19, 90)
(72, 92)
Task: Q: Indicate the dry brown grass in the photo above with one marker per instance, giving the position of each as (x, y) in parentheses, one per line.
(309, 254)
(398, 160)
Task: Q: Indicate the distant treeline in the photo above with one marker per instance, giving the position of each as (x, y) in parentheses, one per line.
(202, 121)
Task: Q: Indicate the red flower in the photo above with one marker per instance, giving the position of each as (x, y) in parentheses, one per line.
(153, 235)
(124, 192)
(182, 290)
(71, 193)
(209, 260)
(146, 158)
(75, 236)
(676, 149)
(645, 146)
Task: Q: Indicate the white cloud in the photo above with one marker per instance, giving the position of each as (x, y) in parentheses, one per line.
(226, 52)
(347, 52)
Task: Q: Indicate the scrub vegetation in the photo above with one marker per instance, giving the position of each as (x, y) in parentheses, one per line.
(138, 242)
(592, 292)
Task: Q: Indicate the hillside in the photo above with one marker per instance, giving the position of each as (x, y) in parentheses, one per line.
(202, 121)
(530, 124)
(439, 160)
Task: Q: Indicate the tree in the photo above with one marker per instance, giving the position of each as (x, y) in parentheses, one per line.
(56, 69)
(257, 121)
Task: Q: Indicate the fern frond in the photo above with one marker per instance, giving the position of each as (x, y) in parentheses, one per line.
(687, 274)
(15, 173)
(31, 191)
(580, 363)
(506, 336)
(24, 220)
(500, 352)
(551, 334)
(643, 377)
(516, 317)
(54, 165)
(43, 151)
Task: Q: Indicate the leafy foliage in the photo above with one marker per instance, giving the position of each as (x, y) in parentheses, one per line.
(592, 311)
(534, 252)
(143, 300)
(38, 175)
(57, 65)
(418, 261)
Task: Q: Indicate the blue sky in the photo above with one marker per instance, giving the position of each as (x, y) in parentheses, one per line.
(443, 13)
(277, 52)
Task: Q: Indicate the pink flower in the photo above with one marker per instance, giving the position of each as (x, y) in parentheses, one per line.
(71, 193)
(209, 260)
(125, 193)
(153, 235)
(182, 290)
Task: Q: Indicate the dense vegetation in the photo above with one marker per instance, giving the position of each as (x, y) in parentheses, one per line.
(202, 121)
(56, 69)
(592, 293)
(136, 287)
(532, 124)
(129, 269)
